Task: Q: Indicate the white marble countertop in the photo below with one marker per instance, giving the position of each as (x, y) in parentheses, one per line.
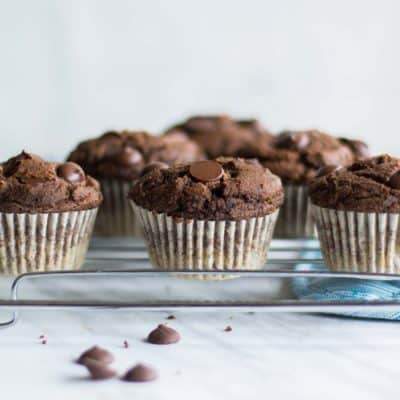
(279, 356)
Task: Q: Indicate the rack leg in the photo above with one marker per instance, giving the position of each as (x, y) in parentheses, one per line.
(13, 296)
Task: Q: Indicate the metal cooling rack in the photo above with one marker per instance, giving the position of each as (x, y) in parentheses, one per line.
(128, 260)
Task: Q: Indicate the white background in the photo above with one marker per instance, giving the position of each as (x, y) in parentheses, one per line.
(71, 69)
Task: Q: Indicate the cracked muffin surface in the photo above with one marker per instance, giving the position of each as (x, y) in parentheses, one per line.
(370, 185)
(29, 184)
(224, 189)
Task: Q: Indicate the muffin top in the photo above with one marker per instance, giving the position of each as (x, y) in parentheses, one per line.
(28, 184)
(370, 185)
(220, 135)
(224, 189)
(298, 155)
(123, 155)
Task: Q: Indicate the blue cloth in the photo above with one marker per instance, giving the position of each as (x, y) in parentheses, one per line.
(346, 289)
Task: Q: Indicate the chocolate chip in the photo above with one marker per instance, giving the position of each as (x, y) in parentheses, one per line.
(96, 353)
(358, 147)
(140, 373)
(163, 335)
(292, 140)
(171, 316)
(327, 170)
(394, 181)
(206, 171)
(128, 156)
(154, 165)
(99, 371)
(71, 172)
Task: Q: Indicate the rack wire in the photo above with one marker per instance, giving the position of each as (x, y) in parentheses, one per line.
(128, 260)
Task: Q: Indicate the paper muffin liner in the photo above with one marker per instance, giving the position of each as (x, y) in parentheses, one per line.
(44, 242)
(199, 245)
(295, 218)
(116, 216)
(358, 241)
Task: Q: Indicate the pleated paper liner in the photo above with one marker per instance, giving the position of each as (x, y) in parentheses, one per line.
(358, 241)
(44, 242)
(295, 218)
(207, 245)
(116, 217)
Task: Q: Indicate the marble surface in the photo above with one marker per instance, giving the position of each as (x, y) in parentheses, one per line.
(280, 356)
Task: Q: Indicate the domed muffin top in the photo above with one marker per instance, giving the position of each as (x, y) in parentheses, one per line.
(298, 155)
(28, 184)
(220, 135)
(224, 189)
(123, 155)
(370, 185)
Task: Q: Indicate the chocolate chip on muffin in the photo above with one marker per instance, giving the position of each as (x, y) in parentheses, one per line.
(123, 155)
(226, 188)
(359, 148)
(29, 184)
(221, 135)
(370, 185)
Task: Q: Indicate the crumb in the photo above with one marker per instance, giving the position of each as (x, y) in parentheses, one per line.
(44, 341)
(228, 329)
(126, 344)
(171, 317)
(42, 337)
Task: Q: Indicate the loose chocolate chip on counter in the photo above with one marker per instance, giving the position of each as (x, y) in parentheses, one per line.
(71, 172)
(128, 157)
(292, 140)
(163, 335)
(99, 371)
(140, 373)
(327, 170)
(154, 165)
(96, 353)
(394, 181)
(206, 171)
(171, 316)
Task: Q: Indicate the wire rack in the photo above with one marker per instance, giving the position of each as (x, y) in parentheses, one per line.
(128, 261)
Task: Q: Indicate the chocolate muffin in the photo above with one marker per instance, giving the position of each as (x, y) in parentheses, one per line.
(117, 159)
(296, 158)
(356, 210)
(47, 211)
(220, 135)
(209, 215)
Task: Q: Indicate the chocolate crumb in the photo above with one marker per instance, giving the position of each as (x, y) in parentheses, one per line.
(126, 344)
(44, 341)
(171, 317)
(228, 329)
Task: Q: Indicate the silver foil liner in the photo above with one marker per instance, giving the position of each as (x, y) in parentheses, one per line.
(359, 242)
(295, 218)
(177, 244)
(44, 242)
(116, 217)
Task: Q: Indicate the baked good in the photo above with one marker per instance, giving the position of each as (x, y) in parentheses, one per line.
(356, 209)
(207, 215)
(221, 135)
(296, 157)
(47, 211)
(119, 158)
